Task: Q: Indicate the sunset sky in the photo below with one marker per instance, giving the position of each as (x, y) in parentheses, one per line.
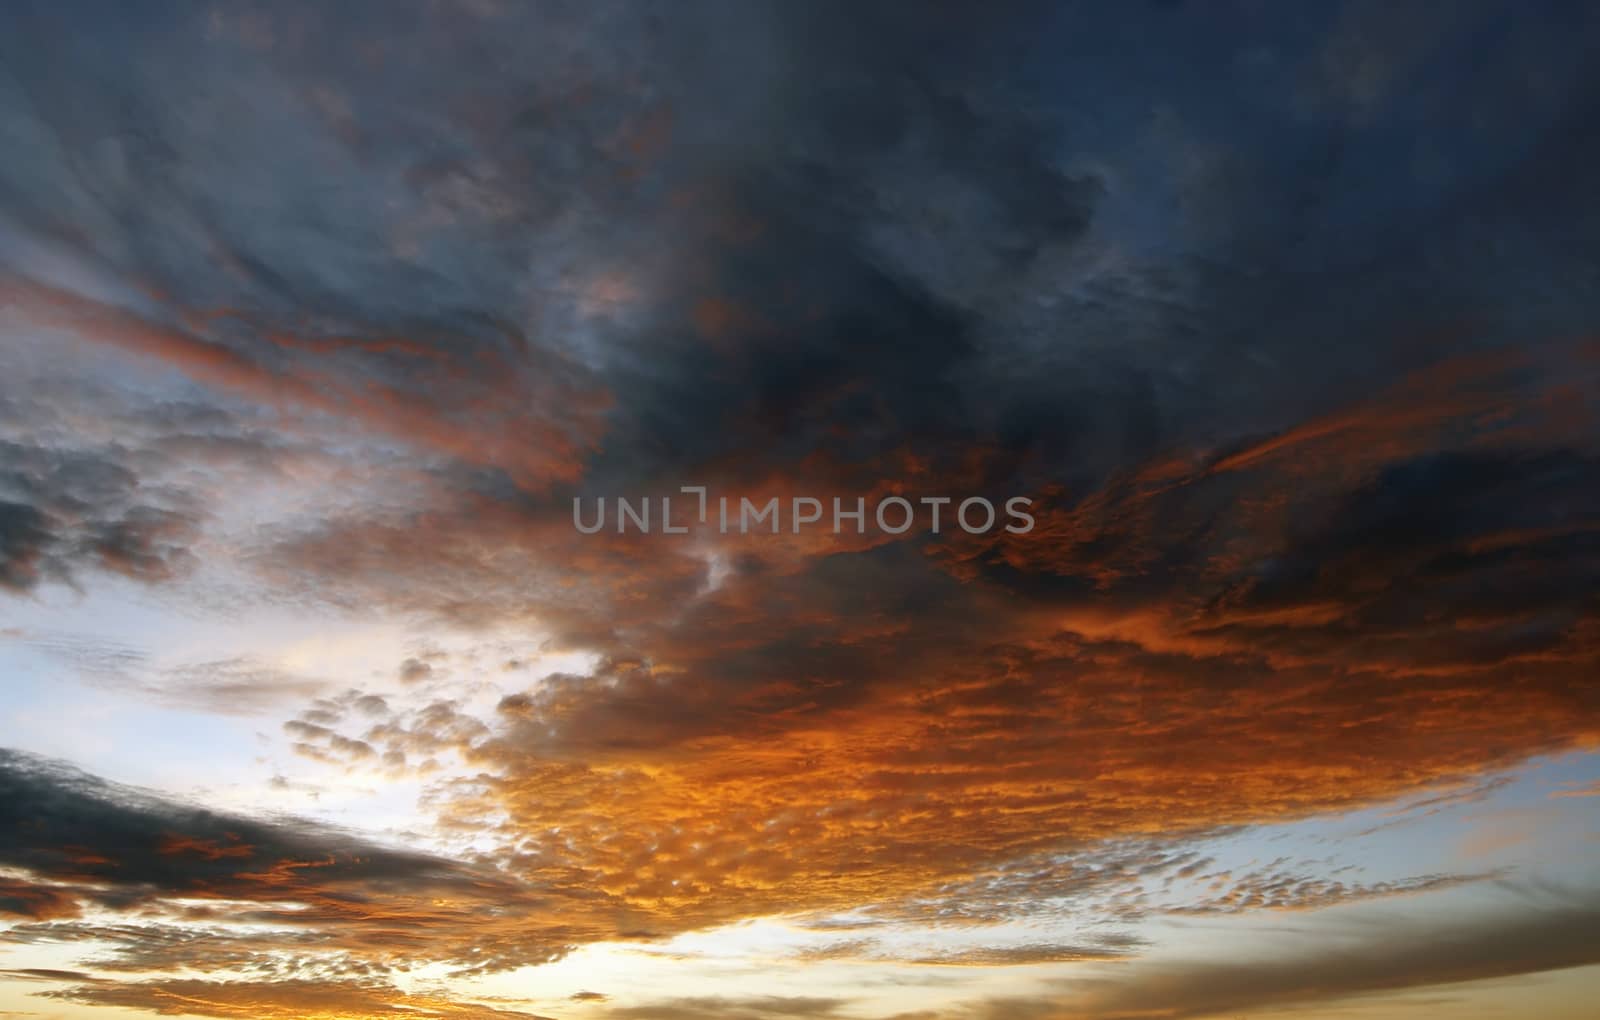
(316, 318)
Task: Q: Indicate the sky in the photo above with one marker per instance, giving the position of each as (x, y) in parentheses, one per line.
(324, 329)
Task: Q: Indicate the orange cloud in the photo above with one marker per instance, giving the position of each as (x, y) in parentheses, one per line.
(286, 999)
(1363, 608)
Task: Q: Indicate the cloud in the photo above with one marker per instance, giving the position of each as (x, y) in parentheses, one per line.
(46, 974)
(1336, 616)
(1363, 608)
(1390, 954)
(415, 670)
(236, 686)
(24, 898)
(1590, 790)
(1359, 954)
(1031, 953)
(101, 476)
(544, 452)
(279, 1000)
(772, 1007)
(72, 508)
(76, 845)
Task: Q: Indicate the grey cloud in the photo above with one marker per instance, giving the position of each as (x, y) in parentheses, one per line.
(168, 847)
(237, 686)
(773, 1007)
(1389, 952)
(63, 510)
(327, 898)
(285, 997)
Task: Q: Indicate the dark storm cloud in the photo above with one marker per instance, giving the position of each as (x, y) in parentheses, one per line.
(732, 241)
(164, 848)
(332, 901)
